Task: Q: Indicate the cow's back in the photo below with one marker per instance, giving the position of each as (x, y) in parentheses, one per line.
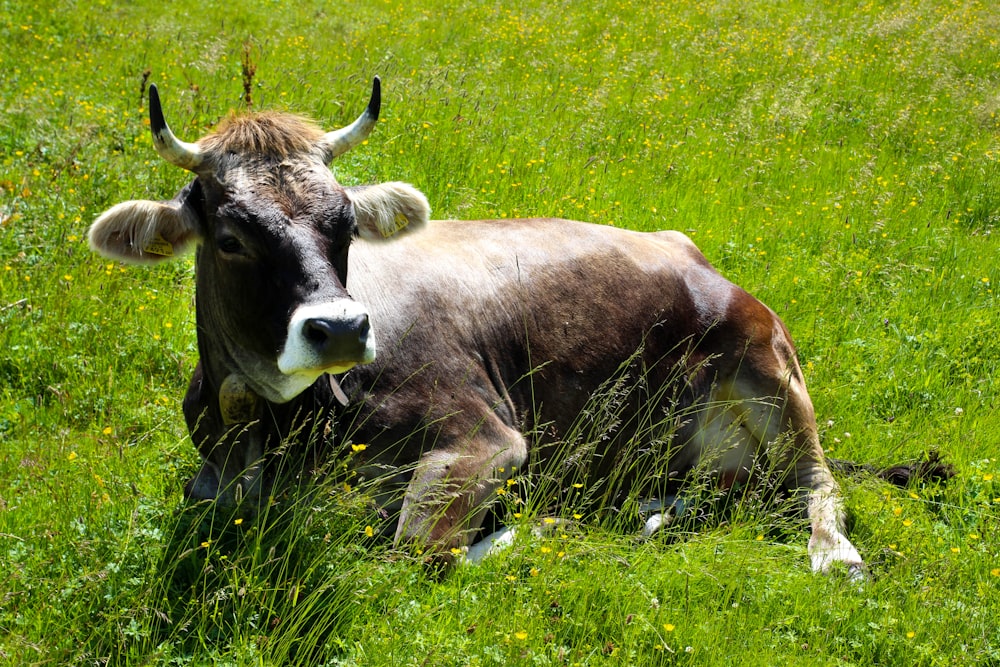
(528, 318)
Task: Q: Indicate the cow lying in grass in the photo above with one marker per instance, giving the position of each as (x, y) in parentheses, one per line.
(327, 313)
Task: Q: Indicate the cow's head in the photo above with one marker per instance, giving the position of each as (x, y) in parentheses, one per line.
(272, 229)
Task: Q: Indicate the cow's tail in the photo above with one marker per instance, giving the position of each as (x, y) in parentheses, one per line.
(930, 468)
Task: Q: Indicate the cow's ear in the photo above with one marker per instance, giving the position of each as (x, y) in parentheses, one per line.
(145, 232)
(385, 210)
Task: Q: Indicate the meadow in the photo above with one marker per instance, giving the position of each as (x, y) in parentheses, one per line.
(840, 160)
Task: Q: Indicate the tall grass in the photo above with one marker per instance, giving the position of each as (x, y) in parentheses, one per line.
(839, 160)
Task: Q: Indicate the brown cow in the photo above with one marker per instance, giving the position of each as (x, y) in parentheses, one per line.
(486, 330)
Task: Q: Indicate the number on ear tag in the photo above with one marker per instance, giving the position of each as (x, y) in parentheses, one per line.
(159, 246)
(399, 222)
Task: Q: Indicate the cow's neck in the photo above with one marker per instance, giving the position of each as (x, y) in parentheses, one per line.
(237, 429)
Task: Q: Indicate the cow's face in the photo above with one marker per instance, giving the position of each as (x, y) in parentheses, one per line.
(272, 229)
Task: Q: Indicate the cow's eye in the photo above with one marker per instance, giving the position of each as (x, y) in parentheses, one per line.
(229, 245)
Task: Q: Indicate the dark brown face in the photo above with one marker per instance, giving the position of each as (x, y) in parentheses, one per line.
(273, 229)
(271, 273)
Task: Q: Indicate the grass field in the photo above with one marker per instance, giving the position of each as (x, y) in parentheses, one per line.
(840, 160)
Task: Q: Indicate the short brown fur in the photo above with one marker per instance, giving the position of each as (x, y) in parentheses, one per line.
(273, 134)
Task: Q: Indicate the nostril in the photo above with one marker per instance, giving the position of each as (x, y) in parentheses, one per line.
(362, 326)
(319, 331)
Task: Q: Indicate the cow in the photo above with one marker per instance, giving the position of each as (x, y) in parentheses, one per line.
(455, 354)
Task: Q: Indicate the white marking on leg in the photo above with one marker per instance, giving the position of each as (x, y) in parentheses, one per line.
(502, 539)
(666, 510)
(490, 545)
(828, 544)
(653, 525)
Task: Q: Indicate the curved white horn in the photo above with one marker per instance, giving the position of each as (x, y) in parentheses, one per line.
(173, 150)
(340, 141)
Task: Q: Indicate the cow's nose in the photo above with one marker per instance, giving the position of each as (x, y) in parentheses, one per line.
(328, 337)
(332, 338)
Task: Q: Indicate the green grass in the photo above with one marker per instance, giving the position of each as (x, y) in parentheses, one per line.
(839, 160)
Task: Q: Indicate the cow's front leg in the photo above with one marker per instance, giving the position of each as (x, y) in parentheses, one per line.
(232, 471)
(225, 427)
(451, 490)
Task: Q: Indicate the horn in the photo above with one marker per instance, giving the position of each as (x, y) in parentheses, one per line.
(340, 141)
(173, 150)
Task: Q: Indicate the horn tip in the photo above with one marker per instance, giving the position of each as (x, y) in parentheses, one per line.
(156, 121)
(375, 103)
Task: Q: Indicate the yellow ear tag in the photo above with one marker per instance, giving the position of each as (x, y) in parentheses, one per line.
(399, 222)
(159, 246)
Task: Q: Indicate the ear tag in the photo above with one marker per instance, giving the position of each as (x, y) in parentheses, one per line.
(398, 223)
(159, 246)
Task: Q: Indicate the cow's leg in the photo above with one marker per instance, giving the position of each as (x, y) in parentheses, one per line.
(451, 488)
(781, 423)
(224, 427)
(807, 470)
